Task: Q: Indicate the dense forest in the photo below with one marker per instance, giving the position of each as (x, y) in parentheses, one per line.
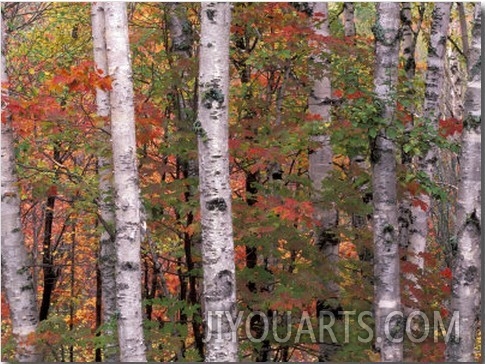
(241, 182)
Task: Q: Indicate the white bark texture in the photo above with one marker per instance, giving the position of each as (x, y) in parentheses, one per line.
(127, 193)
(435, 76)
(320, 158)
(467, 258)
(215, 191)
(386, 248)
(321, 165)
(107, 254)
(16, 274)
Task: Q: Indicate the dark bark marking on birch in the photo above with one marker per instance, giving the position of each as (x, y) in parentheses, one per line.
(218, 204)
(213, 94)
(129, 266)
(211, 14)
(122, 286)
(471, 275)
(224, 283)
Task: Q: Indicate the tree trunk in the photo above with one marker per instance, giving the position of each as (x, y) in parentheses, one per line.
(349, 23)
(466, 261)
(127, 193)
(383, 157)
(182, 41)
(16, 266)
(107, 254)
(435, 74)
(321, 165)
(215, 190)
(408, 49)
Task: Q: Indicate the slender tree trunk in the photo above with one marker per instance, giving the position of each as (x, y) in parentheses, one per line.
(215, 190)
(464, 31)
(321, 156)
(466, 261)
(408, 49)
(127, 193)
(17, 277)
(387, 296)
(435, 74)
(182, 39)
(349, 23)
(107, 254)
(50, 273)
(321, 165)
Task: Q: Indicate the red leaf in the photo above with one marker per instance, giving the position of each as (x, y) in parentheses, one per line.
(420, 203)
(446, 273)
(450, 126)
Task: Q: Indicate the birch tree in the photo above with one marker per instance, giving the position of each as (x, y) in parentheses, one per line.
(127, 193)
(466, 269)
(383, 157)
(349, 23)
(107, 254)
(408, 49)
(16, 274)
(321, 162)
(219, 288)
(435, 74)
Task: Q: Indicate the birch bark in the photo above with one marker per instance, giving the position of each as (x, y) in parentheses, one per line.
(321, 165)
(16, 273)
(320, 158)
(107, 255)
(466, 261)
(127, 194)
(435, 75)
(219, 288)
(383, 157)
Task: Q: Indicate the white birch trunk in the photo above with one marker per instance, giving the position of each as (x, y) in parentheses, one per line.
(435, 75)
(215, 190)
(127, 193)
(387, 296)
(107, 255)
(16, 274)
(320, 158)
(466, 261)
(321, 165)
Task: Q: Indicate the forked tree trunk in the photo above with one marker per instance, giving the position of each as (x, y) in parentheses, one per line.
(435, 75)
(16, 274)
(127, 193)
(215, 190)
(107, 254)
(387, 296)
(466, 261)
